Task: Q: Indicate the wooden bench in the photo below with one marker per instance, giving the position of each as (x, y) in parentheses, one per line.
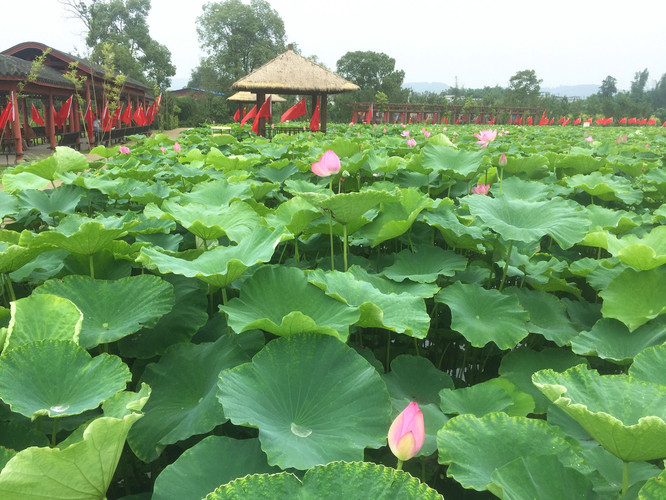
(218, 130)
(70, 139)
(9, 148)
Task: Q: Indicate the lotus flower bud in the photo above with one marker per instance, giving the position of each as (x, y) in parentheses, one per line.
(502, 160)
(407, 433)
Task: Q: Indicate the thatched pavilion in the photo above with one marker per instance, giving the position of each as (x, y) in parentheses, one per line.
(291, 73)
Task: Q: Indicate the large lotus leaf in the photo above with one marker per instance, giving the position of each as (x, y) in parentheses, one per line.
(221, 265)
(40, 317)
(606, 187)
(347, 207)
(414, 378)
(294, 214)
(477, 400)
(635, 297)
(214, 461)
(475, 447)
(522, 403)
(58, 378)
(654, 488)
(543, 477)
(572, 164)
(425, 264)
(484, 316)
(533, 166)
(547, 315)
(610, 339)
(611, 469)
(403, 313)
(643, 253)
(329, 482)
(8, 204)
(455, 233)
(519, 189)
(625, 415)
(113, 309)
(280, 300)
(59, 202)
(17, 182)
(614, 221)
(396, 217)
(384, 285)
(529, 221)
(183, 401)
(297, 392)
(649, 365)
(460, 164)
(63, 160)
(189, 313)
(210, 222)
(16, 251)
(84, 236)
(519, 365)
(80, 468)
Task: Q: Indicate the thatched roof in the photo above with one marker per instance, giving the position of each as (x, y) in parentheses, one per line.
(244, 96)
(291, 73)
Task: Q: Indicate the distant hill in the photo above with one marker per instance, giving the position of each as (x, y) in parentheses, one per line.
(434, 87)
(572, 90)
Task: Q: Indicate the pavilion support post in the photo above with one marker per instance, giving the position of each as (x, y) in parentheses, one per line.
(50, 123)
(261, 98)
(75, 120)
(16, 127)
(27, 129)
(322, 112)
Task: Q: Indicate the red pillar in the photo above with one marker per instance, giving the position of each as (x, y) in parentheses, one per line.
(322, 112)
(16, 127)
(50, 123)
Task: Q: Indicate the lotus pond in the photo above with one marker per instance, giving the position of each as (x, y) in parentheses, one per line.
(216, 321)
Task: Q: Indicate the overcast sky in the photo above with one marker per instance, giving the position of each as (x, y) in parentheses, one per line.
(479, 42)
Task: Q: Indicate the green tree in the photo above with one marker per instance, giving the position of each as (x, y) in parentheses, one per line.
(524, 88)
(238, 38)
(373, 72)
(638, 84)
(608, 87)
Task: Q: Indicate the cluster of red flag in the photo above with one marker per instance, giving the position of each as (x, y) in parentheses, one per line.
(9, 110)
(599, 121)
(265, 111)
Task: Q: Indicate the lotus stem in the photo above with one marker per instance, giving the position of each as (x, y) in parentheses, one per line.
(506, 266)
(345, 245)
(296, 256)
(501, 179)
(91, 263)
(388, 350)
(625, 478)
(10, 287)
(54, 432)
(399, 466)
(330, 225)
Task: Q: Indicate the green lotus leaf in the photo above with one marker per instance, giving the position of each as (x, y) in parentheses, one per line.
(329, 482)
(386, 286)
(519, 189)
(183, 401)
(59, 202)
(478, 400)
(610, 339)
(519, 365)
(293, 391)
(21, 181)
(265, 304)
(543, 477)
(278, 171)
(213, 461)
(643, 253)
(28, 323)
(401, 313)
(113, 309)
(63, 160)
(395, 218)
(475, 447)
(611, 469)
(8, 204)
(606, 187)
(572, 164)
(633, 297)
(150, 193)
(523, 403)
(347, 207)
(648, 365)
(414, 378)
(5, 455)
(425, 264)
(58, 378)
(534, 166)
(13, 254)
(221, 265)
(654, 488)
(529, 221)
(294, 214)
(614, 221)
(484, 316)
(81, 467)
(547, 315)
(236, 221)
(179, 325)
(455, 233)
(460, 164)
(625, 415)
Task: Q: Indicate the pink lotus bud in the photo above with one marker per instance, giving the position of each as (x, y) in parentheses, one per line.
(123, 149)
(481, 189)
(328, 164)
(176, 147)
(407, 433)
(502, 160)
(163, 149)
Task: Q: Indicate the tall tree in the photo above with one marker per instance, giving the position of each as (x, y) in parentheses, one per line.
(524, 87)
(638, 83)
(238, 38)
(124, 25)
(373, 72)
(608, 87)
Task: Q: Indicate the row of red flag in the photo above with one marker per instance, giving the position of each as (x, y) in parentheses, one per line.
(544, 120)
(266, 111)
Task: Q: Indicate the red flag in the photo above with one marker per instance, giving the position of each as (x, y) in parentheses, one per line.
(600, 121)
(608, 120)
(4, 116)
(577, 121)
(63, 113)
(589, 120)
(314, 121)
(565, 122)
(237, 115)
(663, 124)
(643, 121)
(543, 120)
(150, 113)
(295, 111)
(368, 117)
(632, 121)
(36, 117)
(105, 117)
(520, 120)
(652, 121)
(623, 121)
(492, 122)
(530, 121)
(89, 114)
(250, 114)
(138, 116)
(264, 112)
(126, 116)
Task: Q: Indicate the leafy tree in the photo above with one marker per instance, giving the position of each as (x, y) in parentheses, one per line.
(608, 87)
(238, 38)
(373, 72)
(638, 83)
(524, 88)
(124, 25)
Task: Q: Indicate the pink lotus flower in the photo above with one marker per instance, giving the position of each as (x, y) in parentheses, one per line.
(123, 149)
(163, 149)
(589, 138)
(426, 134)
(411, 142)
(328, 164)
(176, 147)
(407, 433)
(481, 189)
(384, 131)
(405, 133)
(485, 137)
(351, 124)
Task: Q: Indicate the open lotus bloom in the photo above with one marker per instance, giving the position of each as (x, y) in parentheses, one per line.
(407, 432)
(328, 164)
(481, 189)
(123, 149)
(411, 142)
(485, 137)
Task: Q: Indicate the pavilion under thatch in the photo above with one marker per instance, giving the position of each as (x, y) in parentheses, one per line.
(291, 73)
